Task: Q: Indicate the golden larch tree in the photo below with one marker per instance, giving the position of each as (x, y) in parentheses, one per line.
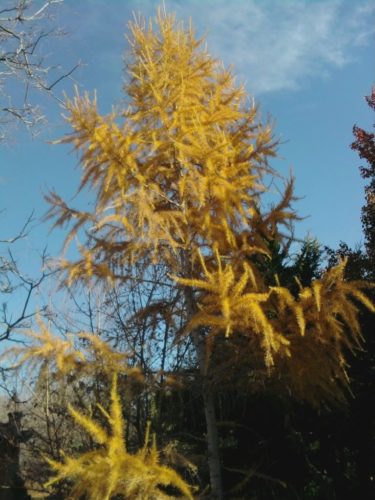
(178, 178)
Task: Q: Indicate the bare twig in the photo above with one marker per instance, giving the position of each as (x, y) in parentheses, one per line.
(22, 233)
(23, 24)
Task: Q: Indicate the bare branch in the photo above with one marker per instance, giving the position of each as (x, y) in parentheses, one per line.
(23, 71)
(62, 77)
(22, 233)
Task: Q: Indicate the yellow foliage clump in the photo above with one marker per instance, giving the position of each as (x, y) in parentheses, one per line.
(62, 355)
(110, 469)
(178, 170)
(231, 302)
(330, 310)
(319, 323)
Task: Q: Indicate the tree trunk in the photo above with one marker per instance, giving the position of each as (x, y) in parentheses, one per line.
(211, 424)
(212, 435)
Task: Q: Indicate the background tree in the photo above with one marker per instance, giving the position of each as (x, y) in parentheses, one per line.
(24, 72)
(365, 145)
(13, 280)
(338, 445)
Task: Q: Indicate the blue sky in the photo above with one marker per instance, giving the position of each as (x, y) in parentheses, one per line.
(307, 63)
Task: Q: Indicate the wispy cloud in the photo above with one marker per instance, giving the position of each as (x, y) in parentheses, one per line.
(275, 44)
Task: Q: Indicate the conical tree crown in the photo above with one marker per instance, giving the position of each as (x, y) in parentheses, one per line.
(181, 168)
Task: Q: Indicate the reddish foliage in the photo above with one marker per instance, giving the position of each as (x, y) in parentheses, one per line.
(365, 145)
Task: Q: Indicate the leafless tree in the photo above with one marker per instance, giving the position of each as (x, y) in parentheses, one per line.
(12, 281)
(24, 71)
